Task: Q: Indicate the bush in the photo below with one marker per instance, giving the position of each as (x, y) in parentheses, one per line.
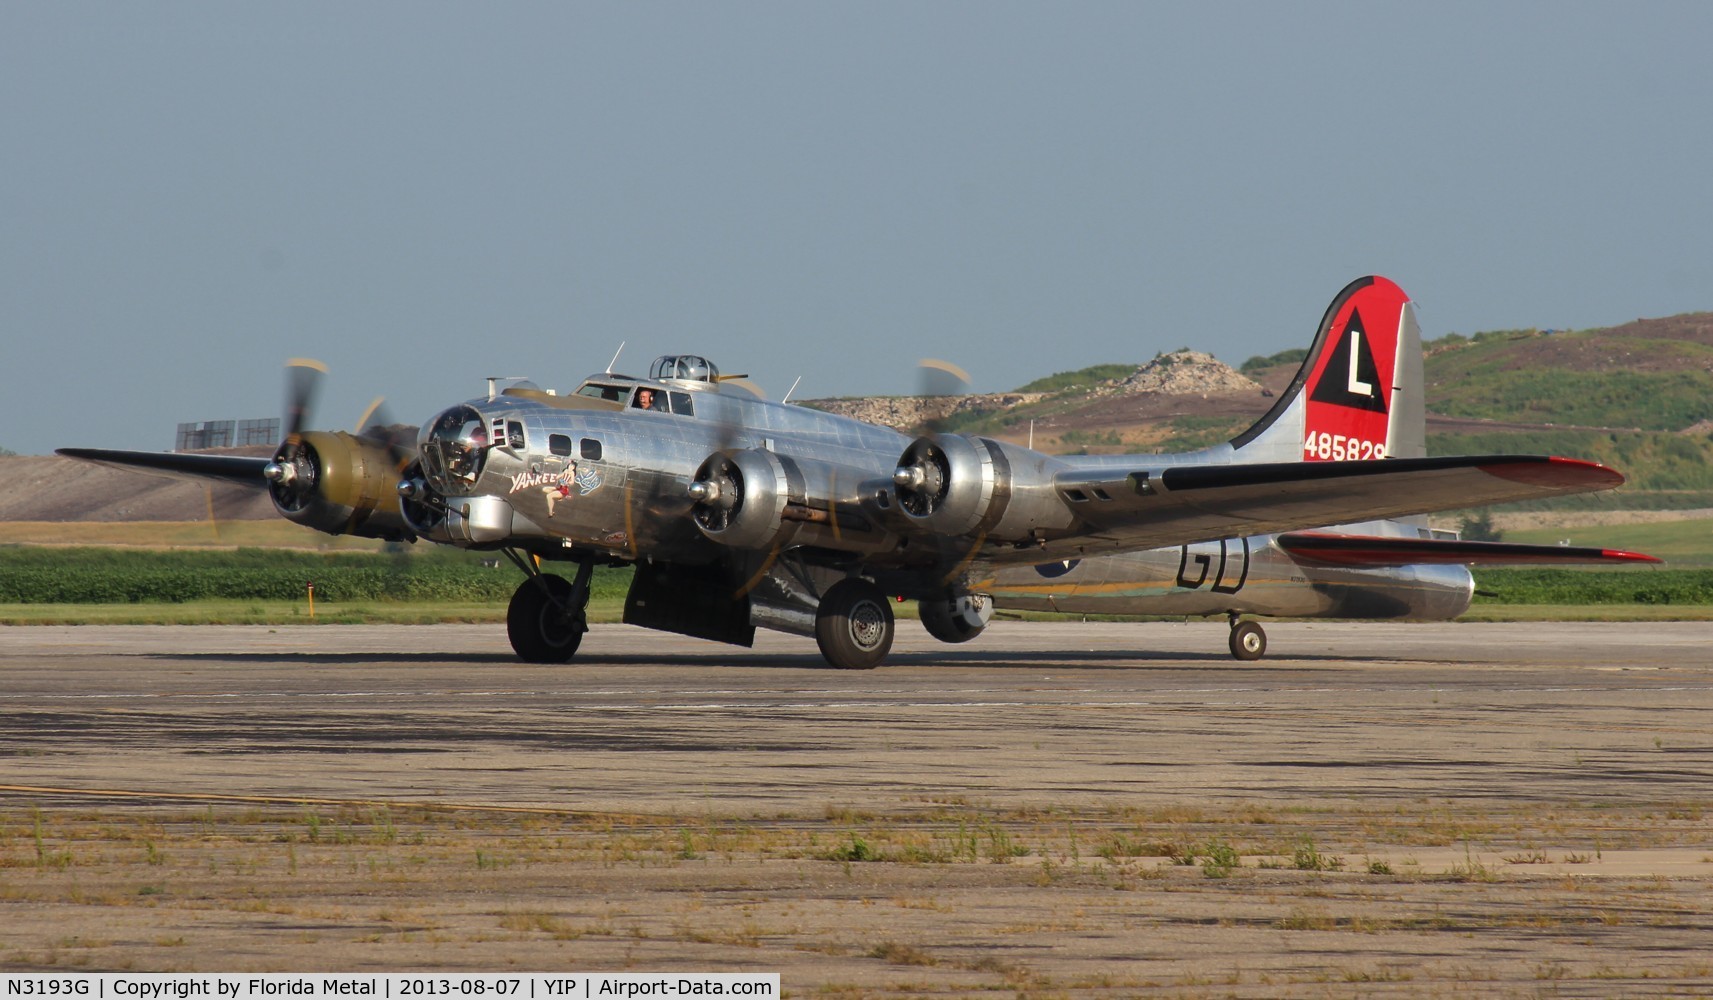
(106, 576)
(1572, 586)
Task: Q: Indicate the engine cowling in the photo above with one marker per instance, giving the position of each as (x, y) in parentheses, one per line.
(740, 498)
(759, 499)
(338, 483)
(422, 509)
(950, 484)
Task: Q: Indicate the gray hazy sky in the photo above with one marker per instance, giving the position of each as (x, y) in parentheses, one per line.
(422, 194)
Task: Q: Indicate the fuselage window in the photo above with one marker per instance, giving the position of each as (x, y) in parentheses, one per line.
(681, 404)
(591, 449)
(607, 392)
(514, 436)
(559, 444)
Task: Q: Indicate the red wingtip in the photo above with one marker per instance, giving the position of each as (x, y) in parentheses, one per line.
(1555, 471)
(1619, 555)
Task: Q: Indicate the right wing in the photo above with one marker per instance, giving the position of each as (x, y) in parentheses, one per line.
(1147, 509)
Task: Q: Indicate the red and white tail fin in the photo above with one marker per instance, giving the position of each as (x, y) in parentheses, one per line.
(1358, 394)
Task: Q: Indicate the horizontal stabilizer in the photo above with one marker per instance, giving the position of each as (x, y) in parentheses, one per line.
(1375, 550)
(244, 471)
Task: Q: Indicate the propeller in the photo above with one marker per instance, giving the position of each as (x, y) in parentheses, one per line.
(924, 469)
(377, 424)
(717, 491)
(292, 474)
(303, 383)
(942, 383)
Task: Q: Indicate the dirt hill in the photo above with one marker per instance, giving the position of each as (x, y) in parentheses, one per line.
(1538, 389)
(54, 489)
(1135, 410)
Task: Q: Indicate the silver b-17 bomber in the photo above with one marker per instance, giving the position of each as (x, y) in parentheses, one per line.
(740, 513)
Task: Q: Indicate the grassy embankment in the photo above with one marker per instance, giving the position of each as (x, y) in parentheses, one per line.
(88, 585)
(77, 585)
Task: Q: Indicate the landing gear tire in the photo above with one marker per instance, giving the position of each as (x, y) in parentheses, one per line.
(542, 623)
(1248, 640)
(853, 625)
(947, 622)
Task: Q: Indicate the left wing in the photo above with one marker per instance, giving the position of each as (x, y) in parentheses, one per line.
(1178, 505)
(225, 468)
(1335, 549)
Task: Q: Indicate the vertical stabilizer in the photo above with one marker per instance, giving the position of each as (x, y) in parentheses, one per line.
(1358, 395)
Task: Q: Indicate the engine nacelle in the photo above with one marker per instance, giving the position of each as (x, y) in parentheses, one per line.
(423, 510)
(950, 484)
(757, 499)
(338, 483)
(740, 499)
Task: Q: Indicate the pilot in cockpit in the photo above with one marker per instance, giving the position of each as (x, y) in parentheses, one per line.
(644, 399)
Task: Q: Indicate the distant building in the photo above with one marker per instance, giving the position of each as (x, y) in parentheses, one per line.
(227, 434)
(263, 431)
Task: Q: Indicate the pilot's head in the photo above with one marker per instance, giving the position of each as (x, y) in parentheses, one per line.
(645, 399)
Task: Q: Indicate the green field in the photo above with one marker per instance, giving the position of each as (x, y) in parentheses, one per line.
(1642, 587)
(52, 585)
(1682, 544)
(63, 585)
(273, 533)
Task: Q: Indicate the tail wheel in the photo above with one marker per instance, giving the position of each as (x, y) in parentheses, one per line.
(541, 622)
(854, 625)
(1248, 641)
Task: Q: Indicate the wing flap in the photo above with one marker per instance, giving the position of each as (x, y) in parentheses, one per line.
(239, 469)
(1335, 549)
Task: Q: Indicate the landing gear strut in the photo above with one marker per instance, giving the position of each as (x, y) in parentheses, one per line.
(1248, 639)
(547, 616)
(853, 625)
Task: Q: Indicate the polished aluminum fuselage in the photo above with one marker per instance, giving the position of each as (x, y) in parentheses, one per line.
(1230, 576)
(628, 499)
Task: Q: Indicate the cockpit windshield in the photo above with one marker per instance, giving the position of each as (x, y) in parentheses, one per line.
(453, 447)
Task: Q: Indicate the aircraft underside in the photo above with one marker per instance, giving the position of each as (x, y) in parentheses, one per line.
(851, 616)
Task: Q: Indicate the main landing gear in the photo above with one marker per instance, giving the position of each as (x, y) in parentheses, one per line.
(853, 625)
(1248, 639)
(548, 614)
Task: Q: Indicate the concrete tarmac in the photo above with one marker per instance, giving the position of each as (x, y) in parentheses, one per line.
(1421, 810)
(1029, 714)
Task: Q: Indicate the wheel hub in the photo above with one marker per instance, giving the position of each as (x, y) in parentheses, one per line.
(868, 625)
